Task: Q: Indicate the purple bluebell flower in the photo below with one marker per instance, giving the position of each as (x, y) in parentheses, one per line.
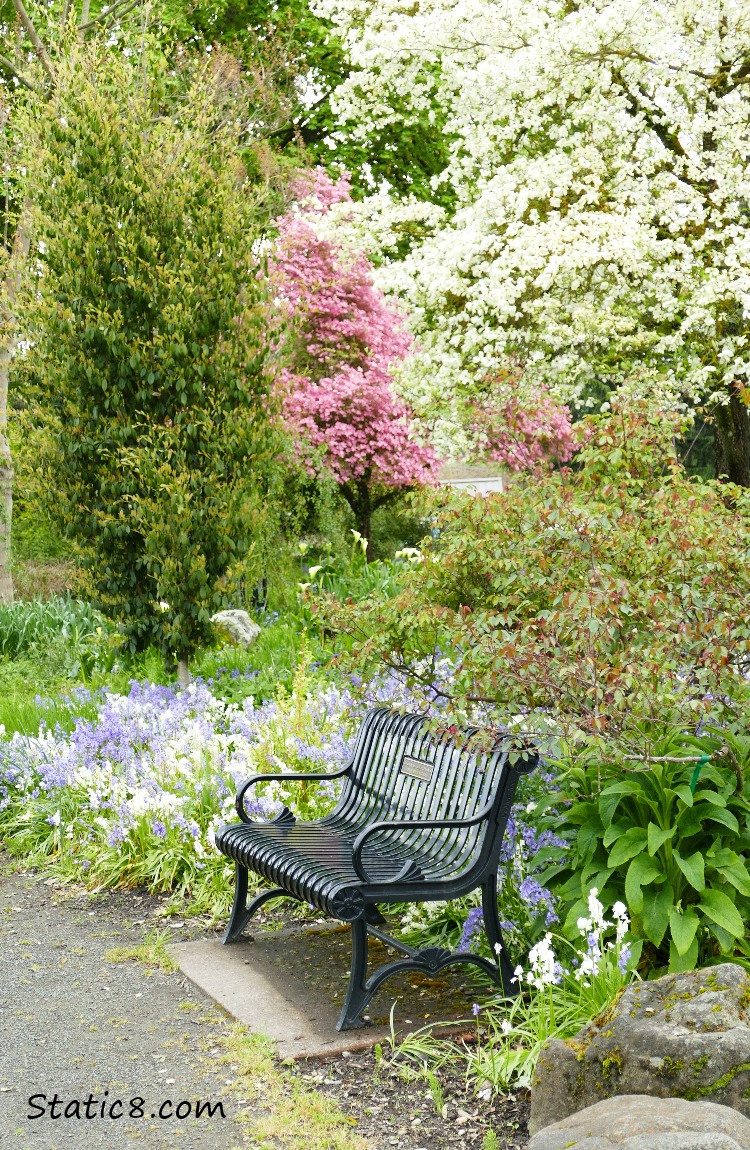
(471, 929)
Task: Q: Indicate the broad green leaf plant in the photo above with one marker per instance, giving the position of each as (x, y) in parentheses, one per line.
(670, 838)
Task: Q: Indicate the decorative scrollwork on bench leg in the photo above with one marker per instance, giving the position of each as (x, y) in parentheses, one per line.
(241, 912)
(431, 960)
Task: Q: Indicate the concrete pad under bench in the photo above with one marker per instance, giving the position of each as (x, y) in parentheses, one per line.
(289, 985)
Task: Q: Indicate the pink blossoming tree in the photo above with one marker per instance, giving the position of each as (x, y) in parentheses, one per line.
(521, 427)
(342, 342)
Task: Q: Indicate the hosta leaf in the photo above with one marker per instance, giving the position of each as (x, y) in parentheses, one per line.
(610, 798)
(692, 868)
(721, 910)
(580, 813)
(690, 821)
(614, 831)
(738, 876)
(657, 837)
(726, 818)
(683, 928)
(725, 940)
(588, 837)
(685, 794)
(711, 797)
(642, 870)
(718, 855)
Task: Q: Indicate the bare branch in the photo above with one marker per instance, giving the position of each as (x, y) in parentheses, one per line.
(37, 44)
(664, 758)
(64, 18)
(5, 63)
(119, 9)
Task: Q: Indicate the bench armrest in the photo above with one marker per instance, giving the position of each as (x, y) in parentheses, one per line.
(239, 802)
(409, 869)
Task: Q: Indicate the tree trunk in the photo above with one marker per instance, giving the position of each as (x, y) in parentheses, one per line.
(6, 517)
(732, 432)
(183, 671)
(8, 336)
(357, 495)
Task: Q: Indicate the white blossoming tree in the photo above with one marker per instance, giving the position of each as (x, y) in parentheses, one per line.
(600, 164)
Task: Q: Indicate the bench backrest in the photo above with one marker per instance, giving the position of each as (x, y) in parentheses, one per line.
(402, 770)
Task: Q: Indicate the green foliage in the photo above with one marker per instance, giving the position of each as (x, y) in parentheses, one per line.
(670, 838)
(350, 575)
(510, 1035)
(35, 626)
(406, 147)
(605, 611)
(262, 670)
(507, 1055)
(396, 526)
(607, 605)
(150, 338)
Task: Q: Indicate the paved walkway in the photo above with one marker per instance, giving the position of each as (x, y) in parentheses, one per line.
(96, 1053)
(289, 984)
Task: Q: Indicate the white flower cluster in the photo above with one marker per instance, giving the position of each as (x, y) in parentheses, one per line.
(599, 162)
(544, 966)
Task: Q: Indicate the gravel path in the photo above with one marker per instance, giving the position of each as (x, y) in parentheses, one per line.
(114, 1042)
(99, 1054)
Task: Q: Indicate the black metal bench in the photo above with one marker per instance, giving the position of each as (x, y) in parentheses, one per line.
(421, 817)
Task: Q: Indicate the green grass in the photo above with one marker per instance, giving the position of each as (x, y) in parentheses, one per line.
(152, 952)
(283, 1110)
(48, 648)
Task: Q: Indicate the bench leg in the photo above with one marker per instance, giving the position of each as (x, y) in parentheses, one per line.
(241, 912)
(495, 936)
(357, 995)
(429, 961)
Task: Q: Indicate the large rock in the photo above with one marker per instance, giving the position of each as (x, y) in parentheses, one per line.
(638, 1122)
(238, 625)
(683, 1036)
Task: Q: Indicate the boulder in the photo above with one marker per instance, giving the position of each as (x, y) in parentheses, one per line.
(639, 1122)
(238, 625)
(681, 1036)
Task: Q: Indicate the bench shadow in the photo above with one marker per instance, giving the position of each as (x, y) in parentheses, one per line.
(309, 966)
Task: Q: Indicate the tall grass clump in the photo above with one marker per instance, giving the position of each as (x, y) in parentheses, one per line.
(24, 626)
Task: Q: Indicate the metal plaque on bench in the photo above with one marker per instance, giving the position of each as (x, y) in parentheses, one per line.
(417, 768)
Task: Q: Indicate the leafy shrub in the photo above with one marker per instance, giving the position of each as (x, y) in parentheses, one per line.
(607, 605)
(605, 612)
(671, 838)
(150, 334)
